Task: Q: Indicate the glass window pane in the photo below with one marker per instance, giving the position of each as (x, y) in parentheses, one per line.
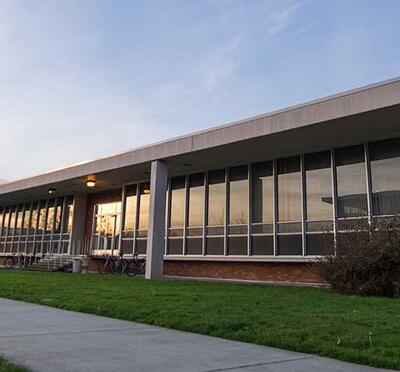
(262, 245)
(177, 202)
(263, 193)
(289, 189)
(194, 246)
(34, 219)
(130, 208)
(144, 206)
(385, 176)
(318, 186)
(58, 211)
(67, 228)
(196, 200)
(290, 245)
(238, 195)
(50, 218)
(237, 245)
(351, 182)
(216, 198)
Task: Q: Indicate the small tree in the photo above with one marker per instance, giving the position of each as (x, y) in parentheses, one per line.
(367, 260)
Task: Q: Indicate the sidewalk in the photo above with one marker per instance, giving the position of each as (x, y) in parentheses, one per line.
(47, 339)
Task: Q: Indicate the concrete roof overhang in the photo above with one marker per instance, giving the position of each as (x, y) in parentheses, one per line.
(364, 114)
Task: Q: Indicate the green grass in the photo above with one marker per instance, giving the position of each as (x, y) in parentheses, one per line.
(357, 329)
(6, 366)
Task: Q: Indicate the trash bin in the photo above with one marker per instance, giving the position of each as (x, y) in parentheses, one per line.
(76, 265)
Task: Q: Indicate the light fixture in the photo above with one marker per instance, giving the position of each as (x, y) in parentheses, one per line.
(91, 181)
(146, 191)
(52, 191)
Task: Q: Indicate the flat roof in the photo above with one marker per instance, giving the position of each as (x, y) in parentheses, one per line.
(357, 101)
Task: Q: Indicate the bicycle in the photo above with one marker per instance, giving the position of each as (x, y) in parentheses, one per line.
(18, 261)
(109, 265)
(136, 266)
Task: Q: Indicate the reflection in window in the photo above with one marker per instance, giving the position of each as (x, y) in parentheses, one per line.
(351, 182)
(57, 226)
(42, 218)
(238, 195)
(216, 198)
(12, 221)
(318, 186)
(196, 200)
(289, 189)
(130, 208)
(50, 219)
(68, 216)
(177, 202)
(263, 193)
(26, 219)
(144, 206)
(385, 176)
(34, 219)
(6, 222)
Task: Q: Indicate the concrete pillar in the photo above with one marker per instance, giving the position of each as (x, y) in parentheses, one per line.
(155, 237)
(78, 224)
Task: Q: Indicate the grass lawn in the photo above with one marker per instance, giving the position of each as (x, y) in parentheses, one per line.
(357, 329)
(9, 367)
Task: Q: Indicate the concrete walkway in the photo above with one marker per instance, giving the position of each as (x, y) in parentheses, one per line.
(47, 339)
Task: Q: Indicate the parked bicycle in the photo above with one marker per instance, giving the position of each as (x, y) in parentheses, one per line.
(119, 265)
(19, 261)
(136, 266)
(109, 265)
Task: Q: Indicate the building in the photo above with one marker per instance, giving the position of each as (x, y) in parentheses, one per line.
(255, 199)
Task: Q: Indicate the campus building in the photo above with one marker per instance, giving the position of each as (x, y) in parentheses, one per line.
(255, 199)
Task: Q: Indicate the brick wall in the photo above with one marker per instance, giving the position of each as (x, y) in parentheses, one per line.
(264, 271)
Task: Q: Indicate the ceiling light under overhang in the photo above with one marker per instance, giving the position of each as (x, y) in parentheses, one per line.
(91, 181)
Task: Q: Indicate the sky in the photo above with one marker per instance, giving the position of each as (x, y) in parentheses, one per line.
(82, 79)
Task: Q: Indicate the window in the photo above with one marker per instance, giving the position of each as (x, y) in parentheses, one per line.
(130, 208)
(144, 206)
(216, 212)
(177, 202)
(216, 198)
(196, 200)
(385, 176)
(289, 207)
(318, 175)
(351, 182)
(289, 190)
(238, 195)
(177, 215)
(263, 193)
(238, 210)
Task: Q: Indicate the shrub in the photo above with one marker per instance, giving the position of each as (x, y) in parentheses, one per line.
(367, 260)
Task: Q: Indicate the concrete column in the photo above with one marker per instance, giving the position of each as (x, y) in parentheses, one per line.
(78, 224)
(156, 233)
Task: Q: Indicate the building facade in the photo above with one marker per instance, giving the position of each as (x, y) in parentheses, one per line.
(256, 200)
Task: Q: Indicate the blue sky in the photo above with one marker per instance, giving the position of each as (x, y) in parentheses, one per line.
(80, 79)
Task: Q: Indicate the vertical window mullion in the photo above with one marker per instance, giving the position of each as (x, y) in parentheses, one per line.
(226, 222)
(303, 206)
(205, 214)
(275, 203)
(168, 218)
(185, 213)
(334, 199)
(368, 180)
(249, 207)
(136, 226)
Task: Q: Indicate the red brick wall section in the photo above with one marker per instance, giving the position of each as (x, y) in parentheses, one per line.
(101, 197)
(263, 271)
